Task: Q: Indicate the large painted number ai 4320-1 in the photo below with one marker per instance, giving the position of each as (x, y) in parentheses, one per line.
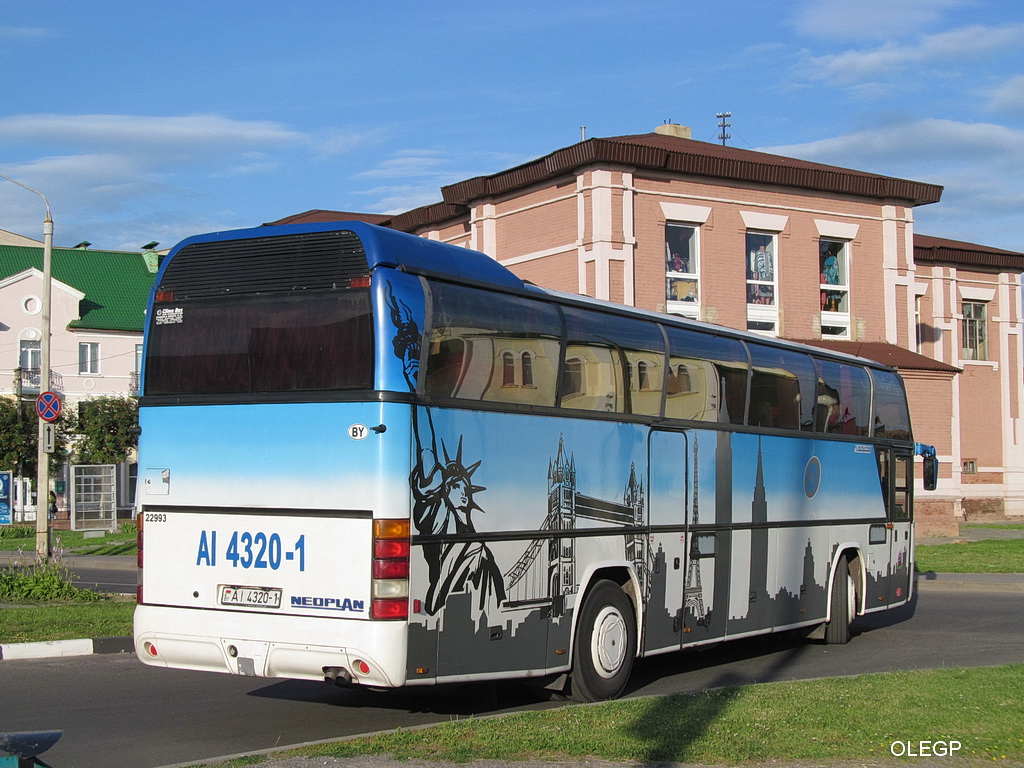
(246, 549)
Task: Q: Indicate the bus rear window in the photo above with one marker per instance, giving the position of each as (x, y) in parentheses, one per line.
(261, 343)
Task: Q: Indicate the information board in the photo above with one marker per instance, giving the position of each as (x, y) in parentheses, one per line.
(6, 498)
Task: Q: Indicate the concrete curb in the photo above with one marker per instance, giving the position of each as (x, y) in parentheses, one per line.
(53, 649)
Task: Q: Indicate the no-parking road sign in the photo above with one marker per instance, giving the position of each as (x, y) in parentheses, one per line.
(48, 406)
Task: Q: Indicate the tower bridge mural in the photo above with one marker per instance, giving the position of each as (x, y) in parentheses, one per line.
(545, 574)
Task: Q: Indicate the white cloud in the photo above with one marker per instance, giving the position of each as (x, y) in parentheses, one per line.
(832, 19)
(101, 170)
(1008, 97)
(401, 198)
(186, 132)
(343, 142)
(944, 50)
(980, 166)
(407, 164)
(929, 141)
(26, 33)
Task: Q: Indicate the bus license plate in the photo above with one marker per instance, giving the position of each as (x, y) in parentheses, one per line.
(261, 597)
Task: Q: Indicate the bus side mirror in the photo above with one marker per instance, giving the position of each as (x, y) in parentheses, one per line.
(930, 473)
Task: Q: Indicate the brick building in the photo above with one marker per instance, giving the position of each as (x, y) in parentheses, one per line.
(778, 246)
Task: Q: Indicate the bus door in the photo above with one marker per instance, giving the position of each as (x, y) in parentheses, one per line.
(899, 514)
(889, 543)
(684, 543)
(669, 484)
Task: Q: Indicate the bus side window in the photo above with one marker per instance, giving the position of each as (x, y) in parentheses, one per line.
(844, 399)
(612, 364)
(492, 347)
(781, 388)
(707, 377)
(891, 417)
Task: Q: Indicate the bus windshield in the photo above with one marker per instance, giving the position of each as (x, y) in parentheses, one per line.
(261, 343)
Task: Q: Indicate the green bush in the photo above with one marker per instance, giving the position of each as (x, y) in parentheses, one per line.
(39, 581)
(16, 532)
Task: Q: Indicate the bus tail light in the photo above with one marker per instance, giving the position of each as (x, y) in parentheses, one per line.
(391, 547)
(138, 560)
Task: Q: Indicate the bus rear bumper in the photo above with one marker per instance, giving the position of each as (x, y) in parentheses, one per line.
(295, 647)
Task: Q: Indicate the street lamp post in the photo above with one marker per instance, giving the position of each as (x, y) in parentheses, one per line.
(43, 458)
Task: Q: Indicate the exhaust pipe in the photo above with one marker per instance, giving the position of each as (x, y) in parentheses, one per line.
(337, 675)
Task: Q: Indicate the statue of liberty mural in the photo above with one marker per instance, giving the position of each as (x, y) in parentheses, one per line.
(443, 495)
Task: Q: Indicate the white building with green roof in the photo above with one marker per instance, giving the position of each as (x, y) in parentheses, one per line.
(97, 316)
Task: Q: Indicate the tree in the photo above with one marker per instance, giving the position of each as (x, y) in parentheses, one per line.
(109, 429)
(19, 438)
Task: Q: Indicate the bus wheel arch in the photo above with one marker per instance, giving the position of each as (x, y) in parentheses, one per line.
(846, 586)
(605, 639)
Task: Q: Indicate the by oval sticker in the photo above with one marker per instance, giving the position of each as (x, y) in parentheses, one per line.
(358, 431)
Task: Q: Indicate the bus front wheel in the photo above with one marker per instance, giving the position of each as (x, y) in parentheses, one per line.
(605, 644)
(844, 606)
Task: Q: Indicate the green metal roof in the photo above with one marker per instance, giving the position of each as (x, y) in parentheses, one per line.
(116, 284)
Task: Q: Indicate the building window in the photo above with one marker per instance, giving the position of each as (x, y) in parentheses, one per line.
(30, 356)
(969, 466)
(834, 283)
(527, 369)
(508, 370)
(642, 376)
(572, 377)
(682, 269)
(88, 358)
(762, 283)
(975, 346)
(918, 327)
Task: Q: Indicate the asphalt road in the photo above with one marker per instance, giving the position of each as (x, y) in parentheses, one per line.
(115, 711)
(91, 573)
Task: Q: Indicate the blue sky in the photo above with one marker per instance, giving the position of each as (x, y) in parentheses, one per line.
(157, 120)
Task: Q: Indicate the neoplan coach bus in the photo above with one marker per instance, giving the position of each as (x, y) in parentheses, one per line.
(380, 460)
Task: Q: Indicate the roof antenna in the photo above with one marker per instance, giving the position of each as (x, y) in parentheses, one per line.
(723, 125)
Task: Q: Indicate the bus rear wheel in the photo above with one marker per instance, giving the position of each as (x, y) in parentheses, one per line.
(605, 644)
(844, 606)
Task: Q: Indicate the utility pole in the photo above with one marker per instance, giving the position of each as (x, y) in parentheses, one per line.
(723, 125)
(43, 458)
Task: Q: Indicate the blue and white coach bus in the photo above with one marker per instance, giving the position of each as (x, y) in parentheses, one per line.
(380, 460)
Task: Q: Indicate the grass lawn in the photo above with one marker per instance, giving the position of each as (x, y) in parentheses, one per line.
(991, 556)
(35, 622)
(118, 542)
(853, 718)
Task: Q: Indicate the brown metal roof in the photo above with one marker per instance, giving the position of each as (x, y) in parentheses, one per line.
(436, 214)
(655, 151)
(318, 215)
(945, 251)
(887, 354)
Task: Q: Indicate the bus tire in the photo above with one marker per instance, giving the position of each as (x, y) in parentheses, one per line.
(605, 644)
(844, 606)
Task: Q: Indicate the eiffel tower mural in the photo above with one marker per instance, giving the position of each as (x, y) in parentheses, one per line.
(693, 592)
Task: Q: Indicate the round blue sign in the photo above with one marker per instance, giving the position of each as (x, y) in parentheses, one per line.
(48, 406)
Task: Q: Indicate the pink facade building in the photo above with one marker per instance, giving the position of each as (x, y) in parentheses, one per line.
(782, 247)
